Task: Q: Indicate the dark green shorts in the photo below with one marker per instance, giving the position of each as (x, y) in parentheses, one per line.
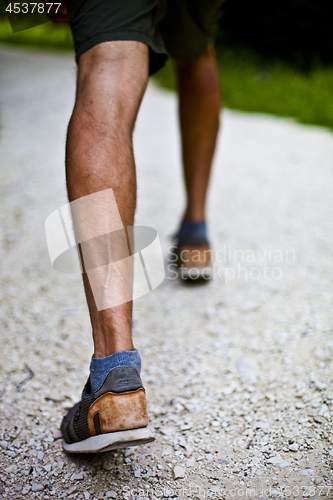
(179, 28)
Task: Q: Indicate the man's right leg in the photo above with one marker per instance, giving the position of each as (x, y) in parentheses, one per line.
(112, 78)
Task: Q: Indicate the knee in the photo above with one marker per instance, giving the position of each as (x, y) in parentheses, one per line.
(114, 75)
(207, 55)
(200, 74)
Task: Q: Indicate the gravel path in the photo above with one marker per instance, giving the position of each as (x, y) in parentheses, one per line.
(238, 371)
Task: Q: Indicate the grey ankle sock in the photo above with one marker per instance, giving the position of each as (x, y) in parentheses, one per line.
(100, 367)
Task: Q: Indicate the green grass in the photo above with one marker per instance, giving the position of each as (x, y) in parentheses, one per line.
(248, 83)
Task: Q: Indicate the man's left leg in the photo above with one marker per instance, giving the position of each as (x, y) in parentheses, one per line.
(199, 109)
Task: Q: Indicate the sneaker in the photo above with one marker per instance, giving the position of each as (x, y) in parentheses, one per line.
(113, 417)
(194, 258)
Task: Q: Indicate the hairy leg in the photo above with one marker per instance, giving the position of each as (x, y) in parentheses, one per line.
(199, 107)
(112, 79)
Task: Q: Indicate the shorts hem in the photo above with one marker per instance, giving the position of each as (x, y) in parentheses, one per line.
(190, 57)
(110, 36)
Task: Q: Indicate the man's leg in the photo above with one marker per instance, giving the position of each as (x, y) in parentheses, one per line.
(199, 108)
(112, 78)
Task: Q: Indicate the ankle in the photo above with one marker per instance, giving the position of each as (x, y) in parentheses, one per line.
(104, 346)
(194, 215)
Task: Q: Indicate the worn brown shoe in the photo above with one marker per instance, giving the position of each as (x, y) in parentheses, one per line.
(195, 259)
(113, 417)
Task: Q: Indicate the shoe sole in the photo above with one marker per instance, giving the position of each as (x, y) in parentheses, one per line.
(111, 441)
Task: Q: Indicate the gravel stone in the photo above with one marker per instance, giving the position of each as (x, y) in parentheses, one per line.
(182, 442)
(111, 494)
(178, 472)
(275, 460)
(11, 468)
(285, 463)
(129, 451)
(37, 487)
(248, 369)
(107, 465)
(57, 434)
(76, 477)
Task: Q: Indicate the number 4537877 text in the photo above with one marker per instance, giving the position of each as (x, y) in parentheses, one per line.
(30, 8)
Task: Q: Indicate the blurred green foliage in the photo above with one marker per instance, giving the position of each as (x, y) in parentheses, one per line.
(48, 36)
(251, 84)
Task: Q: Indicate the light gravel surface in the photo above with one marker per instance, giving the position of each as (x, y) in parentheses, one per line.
(238, 371)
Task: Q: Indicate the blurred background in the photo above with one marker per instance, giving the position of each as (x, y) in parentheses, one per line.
(274, 57)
